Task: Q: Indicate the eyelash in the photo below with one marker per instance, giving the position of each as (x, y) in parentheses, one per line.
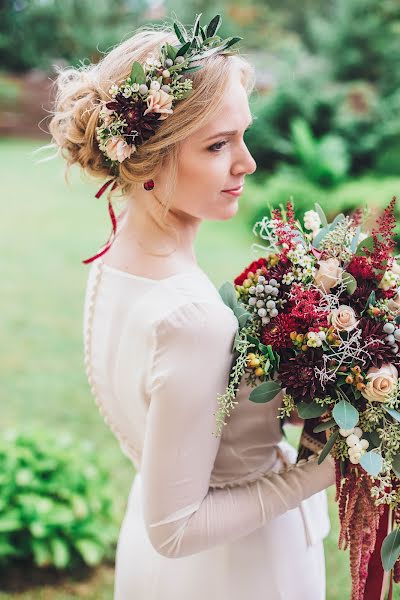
(222, 142)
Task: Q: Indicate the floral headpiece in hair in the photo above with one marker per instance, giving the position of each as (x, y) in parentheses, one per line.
(147, 97)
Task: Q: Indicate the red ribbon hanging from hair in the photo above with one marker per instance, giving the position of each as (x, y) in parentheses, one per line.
(112, 217)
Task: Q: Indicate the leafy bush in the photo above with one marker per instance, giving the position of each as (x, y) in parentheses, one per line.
(340, 75)
(55, 502)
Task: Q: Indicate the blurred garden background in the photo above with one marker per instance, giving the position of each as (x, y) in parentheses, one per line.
(327, 130)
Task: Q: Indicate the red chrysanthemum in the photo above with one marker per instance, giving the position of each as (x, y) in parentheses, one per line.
(304, 307)
(261, 263)
(277, 333)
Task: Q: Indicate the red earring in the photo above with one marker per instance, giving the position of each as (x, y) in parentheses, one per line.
(148, 185)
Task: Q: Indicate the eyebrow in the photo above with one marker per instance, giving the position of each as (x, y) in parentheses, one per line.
(227, 133)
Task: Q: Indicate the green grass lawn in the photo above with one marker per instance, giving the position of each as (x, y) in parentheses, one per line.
(48, 227)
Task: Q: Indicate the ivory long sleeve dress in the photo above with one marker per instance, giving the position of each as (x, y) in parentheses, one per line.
(208, 518)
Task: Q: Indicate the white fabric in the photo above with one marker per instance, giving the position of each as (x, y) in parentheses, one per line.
(208, 517)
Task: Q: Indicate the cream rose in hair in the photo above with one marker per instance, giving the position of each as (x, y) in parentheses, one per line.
(159, 101)
(118, 149)
(328, 275)
(381, 382)
(343, 318)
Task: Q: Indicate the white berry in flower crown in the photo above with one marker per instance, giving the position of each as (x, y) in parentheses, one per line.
(140, 103)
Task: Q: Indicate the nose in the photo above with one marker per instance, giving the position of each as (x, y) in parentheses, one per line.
(244, 163)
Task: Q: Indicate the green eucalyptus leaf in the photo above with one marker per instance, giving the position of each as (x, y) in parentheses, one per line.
(354, 241)
(396, 465)
(137, 73)
(393, 413)
(265, 392)
(328, 446)
(373, 438)
(372, 462)
(213, 26)
(345, 415)
(390, 550)
(310, 410)
(350, 282)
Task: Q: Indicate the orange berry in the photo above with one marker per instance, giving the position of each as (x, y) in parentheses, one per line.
(259, 372)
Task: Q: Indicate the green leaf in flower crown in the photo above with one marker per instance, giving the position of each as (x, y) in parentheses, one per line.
(231, 41)
(171, 51)
(213, 26)
(328, 446)
(180, 33)
(396, 465)
(321, 214)
(265, 392)
(310, 410)
(372, 462)
(345, 415)
(350, 282)
(196, 26)
(183, 49)
(137, 73)
(390, 550)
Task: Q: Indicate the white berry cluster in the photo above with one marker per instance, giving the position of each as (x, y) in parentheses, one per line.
(357, 446)
(264, 299)
(315, 338)
(393, 336)
(303, 265)
(389, 280)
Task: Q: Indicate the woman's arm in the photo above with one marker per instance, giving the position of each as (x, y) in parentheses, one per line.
(183, 516)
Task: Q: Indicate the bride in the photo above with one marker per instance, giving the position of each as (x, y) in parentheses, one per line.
(216, 518)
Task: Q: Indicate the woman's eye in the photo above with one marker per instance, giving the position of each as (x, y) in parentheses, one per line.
(218, 146)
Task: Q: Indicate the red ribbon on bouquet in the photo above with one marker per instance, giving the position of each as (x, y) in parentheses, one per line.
(376, 580)
(112, 217)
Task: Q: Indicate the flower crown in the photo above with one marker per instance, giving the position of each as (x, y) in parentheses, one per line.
(147, 97)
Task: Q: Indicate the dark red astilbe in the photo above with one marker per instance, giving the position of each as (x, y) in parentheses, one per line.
(357, 217)
(290, 213)
(277, 333)
(303, 306)
(286, 232)
(382, 235)
(261, 263)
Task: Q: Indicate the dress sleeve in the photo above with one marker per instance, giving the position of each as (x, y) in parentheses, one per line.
(183, 515)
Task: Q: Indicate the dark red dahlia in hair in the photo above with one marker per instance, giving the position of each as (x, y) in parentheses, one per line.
(379, 350)
(261, 263)
(136, 120)
(277, 333)
(298, 374)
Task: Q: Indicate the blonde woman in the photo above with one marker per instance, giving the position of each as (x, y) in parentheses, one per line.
(229, 517)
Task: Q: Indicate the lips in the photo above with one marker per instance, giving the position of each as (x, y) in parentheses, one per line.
(234, 191)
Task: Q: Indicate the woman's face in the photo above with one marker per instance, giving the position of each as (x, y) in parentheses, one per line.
(214, 160)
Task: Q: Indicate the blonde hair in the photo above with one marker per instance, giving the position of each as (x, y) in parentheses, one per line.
(81, 92)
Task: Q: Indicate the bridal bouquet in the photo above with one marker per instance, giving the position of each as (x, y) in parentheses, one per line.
(319, 318)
